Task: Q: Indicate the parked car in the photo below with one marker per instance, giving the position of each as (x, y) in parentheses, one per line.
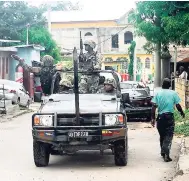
(139, 100)
(8, 94)
(23, 98)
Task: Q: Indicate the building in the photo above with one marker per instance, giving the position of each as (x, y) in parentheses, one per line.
(8, 65)
(113, 36)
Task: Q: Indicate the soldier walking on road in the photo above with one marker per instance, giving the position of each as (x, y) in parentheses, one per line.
(164, 101)
(89, 62)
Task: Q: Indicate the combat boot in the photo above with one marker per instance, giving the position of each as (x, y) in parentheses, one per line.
(167, 158)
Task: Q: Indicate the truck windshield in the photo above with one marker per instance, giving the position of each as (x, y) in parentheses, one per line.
(93, 83)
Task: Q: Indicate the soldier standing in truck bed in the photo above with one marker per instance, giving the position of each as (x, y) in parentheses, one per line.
(89, 61)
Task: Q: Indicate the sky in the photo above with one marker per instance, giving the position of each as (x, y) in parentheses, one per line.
(101, 6)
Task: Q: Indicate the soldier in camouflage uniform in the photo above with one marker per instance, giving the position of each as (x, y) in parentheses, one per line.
(89, 62)
(66, 86)
(47, 72)
(165, 101)
(109, 87)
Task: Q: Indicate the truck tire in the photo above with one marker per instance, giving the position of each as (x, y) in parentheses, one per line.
(41, 154)
(120, 153)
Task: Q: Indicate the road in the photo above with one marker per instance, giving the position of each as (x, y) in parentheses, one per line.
(144, 164)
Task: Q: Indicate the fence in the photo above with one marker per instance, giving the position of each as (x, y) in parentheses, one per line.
(182, 88)
(2, 100)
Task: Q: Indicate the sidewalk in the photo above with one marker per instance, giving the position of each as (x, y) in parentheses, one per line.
(18, 112)
(182, 172)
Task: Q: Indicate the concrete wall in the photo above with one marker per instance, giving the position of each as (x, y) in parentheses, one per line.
(69, 37)
(5, 57)
(182, 88)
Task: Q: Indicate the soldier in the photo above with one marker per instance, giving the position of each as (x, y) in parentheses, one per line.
(47, 71)
(89, 62)
(109, 87)
(66, 86)
(165, 101)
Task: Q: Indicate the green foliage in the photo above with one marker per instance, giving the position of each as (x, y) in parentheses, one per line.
(131, 51)
(15, 15)
(162, 21)
(61, 6)
(182, 125)
(40, 35)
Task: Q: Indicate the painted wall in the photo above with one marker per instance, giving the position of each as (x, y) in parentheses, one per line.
(145, 64)
(28, 54)
(4, 65)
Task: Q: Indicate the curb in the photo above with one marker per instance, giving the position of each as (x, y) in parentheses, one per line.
(16, 115)
(182, 152)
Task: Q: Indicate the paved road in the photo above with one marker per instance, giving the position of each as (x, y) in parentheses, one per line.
(145, 163)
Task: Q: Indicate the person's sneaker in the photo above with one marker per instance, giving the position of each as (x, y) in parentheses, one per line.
(167, 158)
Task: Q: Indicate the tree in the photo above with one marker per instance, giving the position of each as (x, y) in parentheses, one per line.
(156, 20)
(131, 51)
(15, 15)
(61, 6)
(40, 35)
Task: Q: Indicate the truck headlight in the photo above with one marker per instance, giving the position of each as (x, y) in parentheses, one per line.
(43, 120)
(113, 119)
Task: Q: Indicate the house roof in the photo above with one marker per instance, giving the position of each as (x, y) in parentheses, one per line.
(37, 47)
(9, 41)
(8, 49)
(83, 15)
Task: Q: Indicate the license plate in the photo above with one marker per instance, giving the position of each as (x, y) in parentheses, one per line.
(78, 134)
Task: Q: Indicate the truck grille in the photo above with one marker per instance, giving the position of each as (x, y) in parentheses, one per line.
(85, 120)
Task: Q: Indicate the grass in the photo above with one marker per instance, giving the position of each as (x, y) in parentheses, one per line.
(182, 124)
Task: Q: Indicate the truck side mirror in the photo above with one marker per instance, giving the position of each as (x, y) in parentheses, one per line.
(126, 98)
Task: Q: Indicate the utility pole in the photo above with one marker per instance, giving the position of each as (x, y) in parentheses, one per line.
(28, 25)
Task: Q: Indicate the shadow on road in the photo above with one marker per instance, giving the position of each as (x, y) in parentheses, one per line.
(83, 159)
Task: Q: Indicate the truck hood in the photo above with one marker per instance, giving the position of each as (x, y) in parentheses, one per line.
(88, 103)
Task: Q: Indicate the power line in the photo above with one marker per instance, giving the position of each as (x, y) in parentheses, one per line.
(103, 40)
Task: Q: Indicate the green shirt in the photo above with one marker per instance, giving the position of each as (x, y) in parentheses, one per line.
(166, 99)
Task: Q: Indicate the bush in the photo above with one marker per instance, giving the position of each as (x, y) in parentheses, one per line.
(182, 125)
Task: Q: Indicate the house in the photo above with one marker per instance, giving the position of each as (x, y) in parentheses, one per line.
(112, 33)
(8, 65)
(28, 53)
(6, 61)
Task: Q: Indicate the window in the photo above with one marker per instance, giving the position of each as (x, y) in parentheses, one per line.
(7, 65)
(88, 34)
(128, 37)
(147, 63)
(115, 41)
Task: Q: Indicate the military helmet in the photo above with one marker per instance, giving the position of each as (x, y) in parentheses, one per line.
(66, 82)
(110, 82)
(91, 43)
(47, 60)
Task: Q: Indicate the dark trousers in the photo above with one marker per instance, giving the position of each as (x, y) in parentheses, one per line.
(165, 126)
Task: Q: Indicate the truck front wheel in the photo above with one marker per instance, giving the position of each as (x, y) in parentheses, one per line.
(41, 154)
(120, 152)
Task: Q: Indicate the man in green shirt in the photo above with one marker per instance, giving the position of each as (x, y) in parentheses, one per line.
(165, 101)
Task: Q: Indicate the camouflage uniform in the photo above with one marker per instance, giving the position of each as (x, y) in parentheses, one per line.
(47, 73)
(66, 86)
(109, 82)
(165, 126)
(89, 61)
